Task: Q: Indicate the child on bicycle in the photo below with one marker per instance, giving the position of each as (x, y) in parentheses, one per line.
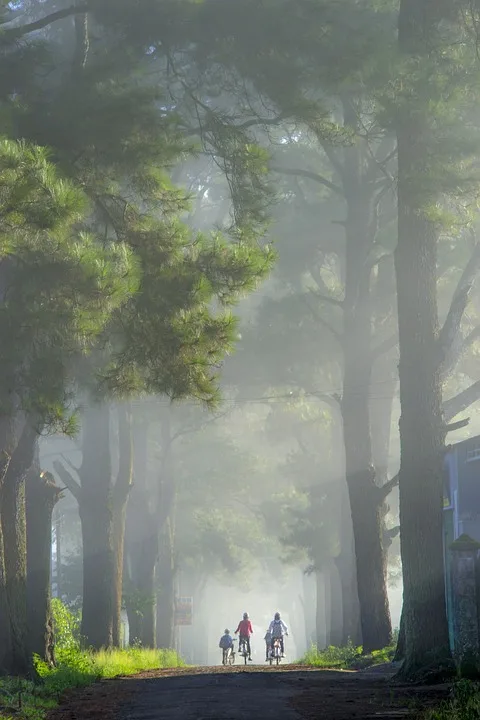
(268, 643)
(226, 643)
(245, 630)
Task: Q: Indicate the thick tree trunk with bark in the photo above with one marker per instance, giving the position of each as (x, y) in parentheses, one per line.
(96, 515)
(363, 492)
(422, 433)
(142, 552)
(141, 548)
(347, 574)
(13, 518)
(400, 649)
(41, 496)
(5, 631)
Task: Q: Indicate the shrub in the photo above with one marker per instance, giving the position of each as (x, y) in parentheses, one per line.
(347, 657)
(464, 703)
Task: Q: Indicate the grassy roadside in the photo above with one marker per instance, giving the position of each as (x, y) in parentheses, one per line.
(349, 657)
(24, 700)
(21, 699)
(463, 704)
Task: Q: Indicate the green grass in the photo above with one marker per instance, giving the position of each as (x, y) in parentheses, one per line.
(349, 657)
(113, 663)
(29, 701)
(464, 703)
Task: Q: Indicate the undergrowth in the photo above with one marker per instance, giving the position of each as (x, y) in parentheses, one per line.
(25, 700)
(349, 657)
(463, 704)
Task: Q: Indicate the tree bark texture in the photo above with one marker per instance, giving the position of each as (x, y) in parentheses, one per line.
(19, 661)
(5, 631)
(322, 610)
(41, 496)
(422, 435)
(363, 492)
(346, 567)
(120, 497)
(96, 516)
(166, 589)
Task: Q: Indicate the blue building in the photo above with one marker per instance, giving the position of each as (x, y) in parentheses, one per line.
(461, 495)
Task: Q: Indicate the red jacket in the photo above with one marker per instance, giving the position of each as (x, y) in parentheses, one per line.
(244, 628)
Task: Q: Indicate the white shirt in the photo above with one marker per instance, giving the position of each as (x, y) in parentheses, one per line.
(277, 628)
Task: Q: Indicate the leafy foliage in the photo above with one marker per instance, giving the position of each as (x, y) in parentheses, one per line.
(348, 657)
(59, 286)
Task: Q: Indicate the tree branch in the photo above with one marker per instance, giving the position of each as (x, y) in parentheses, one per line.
(460, 402)
(387, 488)
(68, 480)
(389, 535)
(449, 340)
(310, 174)
(457, 425)
(11, 34)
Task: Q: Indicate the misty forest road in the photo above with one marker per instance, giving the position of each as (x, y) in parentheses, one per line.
(217, 693)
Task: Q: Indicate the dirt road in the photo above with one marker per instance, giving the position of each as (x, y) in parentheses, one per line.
(288, 693)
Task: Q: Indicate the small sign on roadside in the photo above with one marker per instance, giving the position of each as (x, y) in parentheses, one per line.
(184, 610)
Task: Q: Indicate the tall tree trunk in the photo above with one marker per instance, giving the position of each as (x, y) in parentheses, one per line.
(400, 649)
(142, 551)
(148, 635)
(166, 530)
(308, 600)
(422, 434)
(120, 497)
(58, 554)
(322, 609)
(96, 517)
(5, 630)
(19, 661)
(335, 608)
(363, 492)
(346, 567)
(41, 496)
(141, 546)
(166, 590)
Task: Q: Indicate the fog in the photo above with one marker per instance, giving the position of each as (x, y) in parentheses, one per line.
(203, 304)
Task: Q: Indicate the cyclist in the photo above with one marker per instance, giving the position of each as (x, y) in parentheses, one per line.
(278, 629)
(226, 643)
(268, 642)
(245, 630)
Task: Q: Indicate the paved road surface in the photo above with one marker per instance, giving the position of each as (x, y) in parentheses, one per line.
(230, 696)
(217, 693)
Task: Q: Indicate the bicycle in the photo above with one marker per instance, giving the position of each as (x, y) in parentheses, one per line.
(228, 655)
(243, 650)
(276, 652)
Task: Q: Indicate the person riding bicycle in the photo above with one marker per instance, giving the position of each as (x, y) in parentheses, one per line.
(226, 642)
(268, 643)
(245, 629)
(278, 629)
